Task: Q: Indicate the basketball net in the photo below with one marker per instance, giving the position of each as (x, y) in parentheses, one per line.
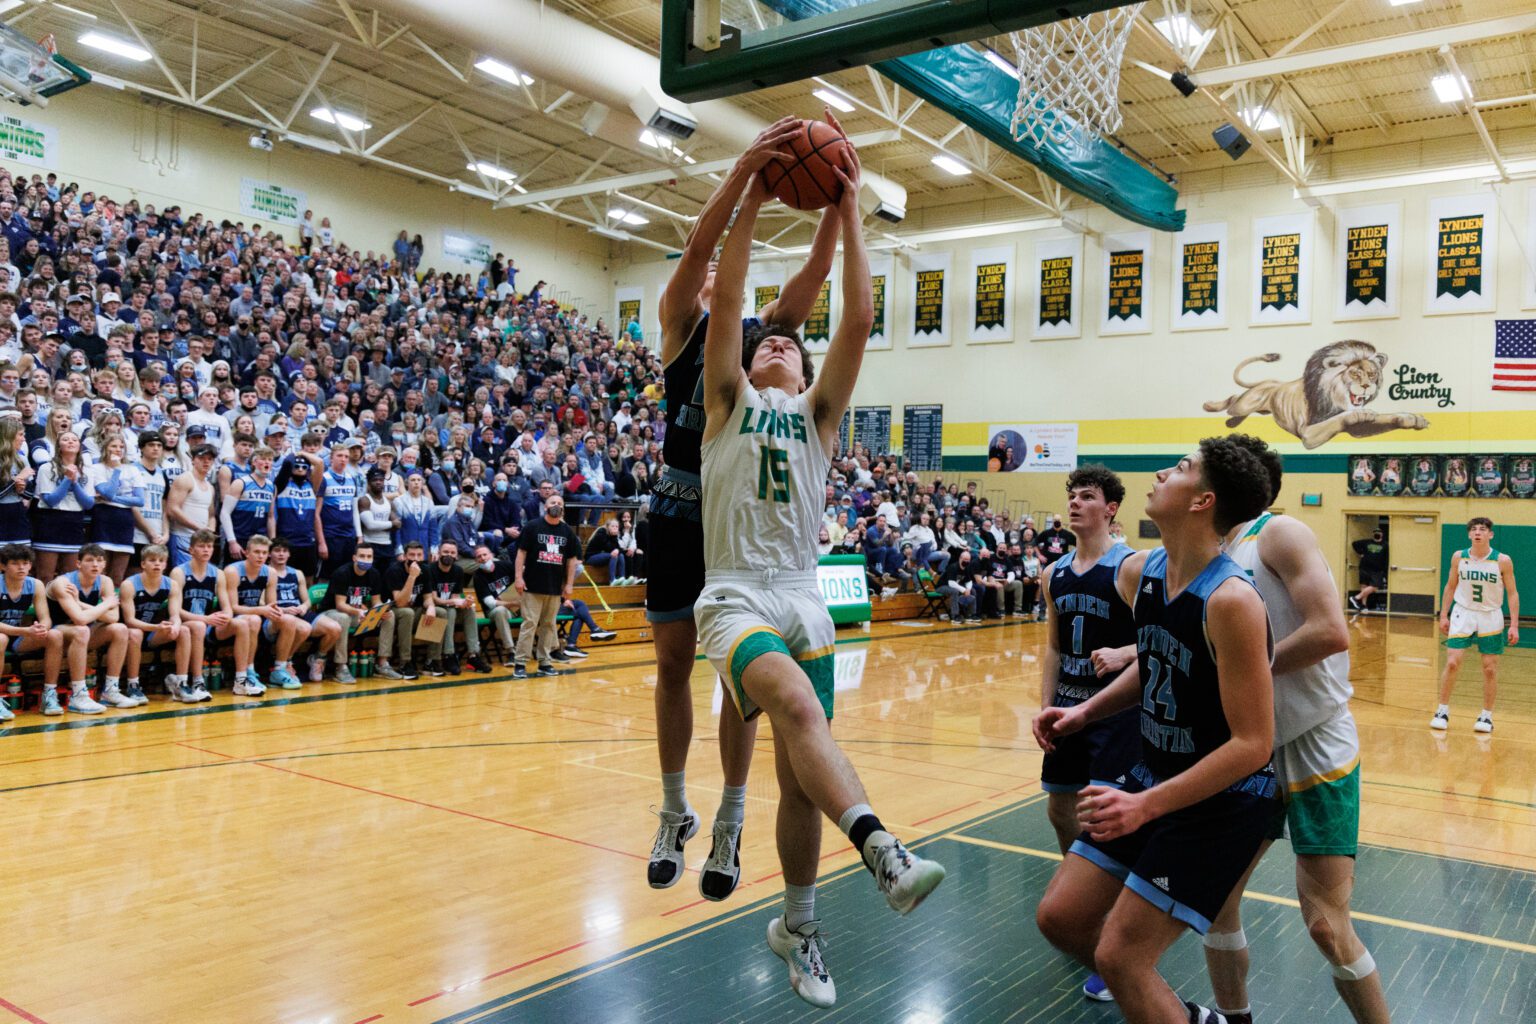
(1069, 77)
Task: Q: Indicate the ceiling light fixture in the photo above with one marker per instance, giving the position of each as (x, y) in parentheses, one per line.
(506, 72)
(1261, 120)
(491, 170)
(114, 45)
(1002, 64)
(627, 217)
(1178, 29)
(1451, 88)
(950, 164)
(340, 118)
(833, 100)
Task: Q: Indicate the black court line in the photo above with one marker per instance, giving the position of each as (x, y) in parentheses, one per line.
(281, 702)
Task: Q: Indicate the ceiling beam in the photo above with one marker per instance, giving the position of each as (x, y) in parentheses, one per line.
(1374, 49)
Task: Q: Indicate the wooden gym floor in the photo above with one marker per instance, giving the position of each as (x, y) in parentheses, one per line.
(474, 850)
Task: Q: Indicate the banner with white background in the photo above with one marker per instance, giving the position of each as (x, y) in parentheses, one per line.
(1056, 288)
(1368, 261)
(993, 279)
(1282, 269)
(1126, 261)
(928, 305)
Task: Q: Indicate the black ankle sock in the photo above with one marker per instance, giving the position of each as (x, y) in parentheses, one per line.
(863, 827)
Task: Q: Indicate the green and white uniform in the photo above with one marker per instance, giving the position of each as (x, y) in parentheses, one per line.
(1477, 606)
(764, 480)
(1317, 749)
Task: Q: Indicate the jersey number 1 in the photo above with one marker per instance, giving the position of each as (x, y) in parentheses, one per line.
(773, 475)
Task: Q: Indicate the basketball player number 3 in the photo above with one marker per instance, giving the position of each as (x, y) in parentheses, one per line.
(1477, 593)
(773, 475)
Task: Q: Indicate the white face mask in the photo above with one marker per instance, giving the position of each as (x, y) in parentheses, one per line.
(488, 565)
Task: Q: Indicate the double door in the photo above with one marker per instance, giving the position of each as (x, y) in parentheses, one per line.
(1413, 560)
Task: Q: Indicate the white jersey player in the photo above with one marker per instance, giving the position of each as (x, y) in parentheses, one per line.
(1472, 612)
(1317, 758)
(768, 438)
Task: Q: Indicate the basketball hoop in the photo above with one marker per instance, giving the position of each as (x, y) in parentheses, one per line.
(1069, 77)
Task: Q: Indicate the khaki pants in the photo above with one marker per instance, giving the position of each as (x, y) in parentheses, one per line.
(403, 619)
(1015, 590)
(339, 652)
(501, 619)
(471, 631)
(539, 612)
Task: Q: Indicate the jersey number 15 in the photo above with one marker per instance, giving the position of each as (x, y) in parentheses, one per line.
(773, 475)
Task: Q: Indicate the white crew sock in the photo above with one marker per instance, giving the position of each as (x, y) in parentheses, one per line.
(674, 792)
(799, 906)
(733, 805)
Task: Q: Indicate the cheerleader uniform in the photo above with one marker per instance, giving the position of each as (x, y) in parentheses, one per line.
(59, 525)
(118, 492)
(15, 527)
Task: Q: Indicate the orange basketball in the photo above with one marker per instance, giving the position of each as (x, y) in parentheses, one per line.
(809, 181)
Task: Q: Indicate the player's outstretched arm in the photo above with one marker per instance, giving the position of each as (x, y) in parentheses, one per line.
(1290, 551)
(723, 375)
(1507, 570)
(833, 389)
(680, 306)
(794, 304)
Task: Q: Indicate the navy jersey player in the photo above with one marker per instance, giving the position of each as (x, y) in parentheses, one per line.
(1164, 852)
(677, 531)
(1086, 612)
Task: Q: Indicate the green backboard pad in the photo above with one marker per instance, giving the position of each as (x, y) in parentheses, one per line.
(715, 48)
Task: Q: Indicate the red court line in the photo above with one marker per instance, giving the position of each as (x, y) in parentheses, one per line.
(497, 974)
(370, 1020)
(23, 1014)
(423, 803)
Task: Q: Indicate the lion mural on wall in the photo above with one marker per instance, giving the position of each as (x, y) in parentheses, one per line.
(1329, 398)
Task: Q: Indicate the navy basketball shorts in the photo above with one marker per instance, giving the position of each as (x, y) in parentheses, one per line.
(676, 558)
(1099, 755)
(1187, 863)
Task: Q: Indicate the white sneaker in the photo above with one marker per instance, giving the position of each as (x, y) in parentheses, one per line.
(1484, 723)
(904, 877)
(721, 871)
(6, 714)
(116, 698)
(49, 705)
(666, 865)
(1442, 720)
(200, 692)
(81, 704)
(801, 950)
(244, 688)
(316, 668)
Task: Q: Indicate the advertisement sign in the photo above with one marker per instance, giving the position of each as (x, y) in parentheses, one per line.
(844, 587)
(1032, 448)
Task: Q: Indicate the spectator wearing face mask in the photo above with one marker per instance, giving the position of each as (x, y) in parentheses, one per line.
(459, 526)
(960, 587)
(501, 521)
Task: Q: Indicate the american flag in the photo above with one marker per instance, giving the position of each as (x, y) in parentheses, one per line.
(1514, 355)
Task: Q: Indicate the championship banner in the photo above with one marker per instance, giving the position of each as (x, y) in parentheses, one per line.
(1463, 239)
(1282, 256)
(29, 142)
(764, 282)
(1368, 258)
(1199, 284)
(992, 283)
(1057, 274)
(817, 332)
(271, 202)
(1125, 284)
(631, 307)
(1032, 448)
(880, 270)
(471, 249)
(930, 311)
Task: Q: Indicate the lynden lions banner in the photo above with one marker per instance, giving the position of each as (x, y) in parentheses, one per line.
(764, 282)
(930, 311)
(28, 142)
(1368, 257)
(1282, 254)
(881, 269)
(1125, 284)
(992, 283)
(1463, 239)
(631, 307)
(1199, 284)
(817, 331)
(1057, 273)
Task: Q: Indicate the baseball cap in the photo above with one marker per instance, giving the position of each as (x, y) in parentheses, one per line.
(111, 297)
(77, 297)
(205, 451)
(195, 430)
(354, 442)
(387, 449)
(275, 428)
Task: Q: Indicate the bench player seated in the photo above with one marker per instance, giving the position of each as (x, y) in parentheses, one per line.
(290, 594)
(151, 607)
(250, 581)
(18, 602)
(206, 604)
(85, 605)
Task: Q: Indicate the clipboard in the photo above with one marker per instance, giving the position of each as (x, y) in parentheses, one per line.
(371, 620)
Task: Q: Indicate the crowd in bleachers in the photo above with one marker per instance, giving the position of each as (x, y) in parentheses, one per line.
(174, 382)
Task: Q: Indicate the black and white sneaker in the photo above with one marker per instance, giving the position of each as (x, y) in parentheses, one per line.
(451, 664)
(409, 671)
(575, 652)
(666, 865)
(905, 878)
(1354, 603)
(721, 872)
(603, 634)
(1200, 1015)
(519, 672)
(434, 668)
(804, 951)
(477, 663)
(558, 655)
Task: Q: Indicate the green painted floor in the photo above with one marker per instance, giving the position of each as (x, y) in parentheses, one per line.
(972, 954)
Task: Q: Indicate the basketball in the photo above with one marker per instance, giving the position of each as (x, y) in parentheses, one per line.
(809, 182)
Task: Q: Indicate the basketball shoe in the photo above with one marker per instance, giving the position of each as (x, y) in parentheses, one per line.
(1200, 1015)
(905, 878)
(721, 872)
(802, 951)
(666, 865)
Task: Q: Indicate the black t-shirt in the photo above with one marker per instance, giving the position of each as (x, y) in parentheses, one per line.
(394, 579)
(491, 585)
(445, 583)
(547, 548)
(1056, 541)
(1373, 555)
(358, 589)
